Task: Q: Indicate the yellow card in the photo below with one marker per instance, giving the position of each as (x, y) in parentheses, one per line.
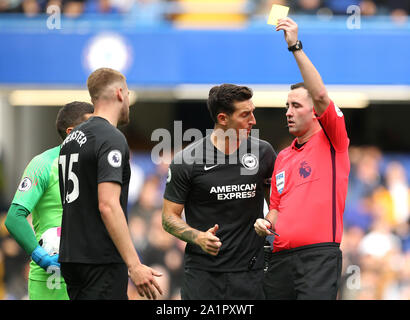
(277, 12)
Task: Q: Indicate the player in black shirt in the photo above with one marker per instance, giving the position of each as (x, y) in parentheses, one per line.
(220, 181)
(94, 176)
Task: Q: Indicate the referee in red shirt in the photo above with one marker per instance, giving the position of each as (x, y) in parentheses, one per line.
(309, 186)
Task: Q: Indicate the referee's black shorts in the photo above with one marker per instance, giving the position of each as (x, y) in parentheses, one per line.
(307, 273)
(206, 285)
(95, 281)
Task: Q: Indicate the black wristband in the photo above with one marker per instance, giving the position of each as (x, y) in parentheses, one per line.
(296, 46)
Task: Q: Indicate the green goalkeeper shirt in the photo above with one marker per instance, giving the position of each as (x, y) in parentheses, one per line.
(39, 193)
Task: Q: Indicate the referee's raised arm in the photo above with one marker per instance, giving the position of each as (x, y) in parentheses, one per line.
(311, 77)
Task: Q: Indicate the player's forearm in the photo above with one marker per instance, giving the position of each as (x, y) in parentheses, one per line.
(16, 223)
(116, 224)
(312, 79)
(179, 228)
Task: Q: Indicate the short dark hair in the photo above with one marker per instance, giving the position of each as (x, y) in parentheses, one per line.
(71, 115)
(221, 98)
(299, 85)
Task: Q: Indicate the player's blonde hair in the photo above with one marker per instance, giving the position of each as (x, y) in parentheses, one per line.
(100, 80)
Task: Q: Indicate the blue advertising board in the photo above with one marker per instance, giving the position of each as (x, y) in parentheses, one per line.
(161, 55)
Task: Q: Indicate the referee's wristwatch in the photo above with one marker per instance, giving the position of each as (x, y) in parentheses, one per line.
(297, 46)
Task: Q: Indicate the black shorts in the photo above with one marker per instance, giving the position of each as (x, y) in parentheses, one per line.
(306, 273)
(95, 281)
(206, 285)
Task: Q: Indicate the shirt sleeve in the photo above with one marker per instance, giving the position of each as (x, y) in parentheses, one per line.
(33, 184)
(18, 226)
(111, 157)
(178, 181)
(333, 124)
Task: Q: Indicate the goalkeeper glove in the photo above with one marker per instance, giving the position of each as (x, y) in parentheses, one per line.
(43, 259)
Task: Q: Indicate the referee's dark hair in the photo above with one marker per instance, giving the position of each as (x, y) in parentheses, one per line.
(299, 85)
(221, 99)
(71, 115)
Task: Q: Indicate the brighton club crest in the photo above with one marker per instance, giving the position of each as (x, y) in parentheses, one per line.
(250, 161)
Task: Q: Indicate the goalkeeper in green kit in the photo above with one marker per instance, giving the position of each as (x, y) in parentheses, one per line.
(39, 193)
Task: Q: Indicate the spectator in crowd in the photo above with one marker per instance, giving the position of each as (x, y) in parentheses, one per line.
(262, 7)
(305, 6)
(399, 10)
(100, 6)
(376, 258)
(393, 198)
(339, 7)
(30, 7)
(368, 8)
(163, 249)
(73, 8)
(13, 266)
(149, 11)
(366, 178)
(139, 234)
(148, 200)
(359, 214)
(9, 6)
(15, 269)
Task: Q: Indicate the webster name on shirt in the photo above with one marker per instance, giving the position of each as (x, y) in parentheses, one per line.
(77, 136)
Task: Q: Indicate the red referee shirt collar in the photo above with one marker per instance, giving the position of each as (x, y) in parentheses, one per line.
(294, 145)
